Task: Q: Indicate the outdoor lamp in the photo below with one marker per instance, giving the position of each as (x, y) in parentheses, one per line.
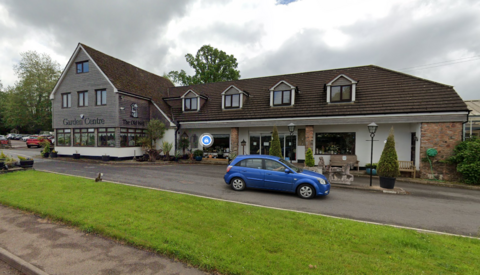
(372, 128)
(243, 143)
(291, 128)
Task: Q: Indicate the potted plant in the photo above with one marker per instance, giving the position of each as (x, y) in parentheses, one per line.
(372, 167)
(177, 156)
(106, 157)
(10, 162)
(220, 153)
(198, 154)
(3, 157)
(45, 143)
(76, 155)
(25, 162)
(54, 154)
(388, 169)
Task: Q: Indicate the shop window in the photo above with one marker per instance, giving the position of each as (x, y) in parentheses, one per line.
(335, 143)
(82, 99)
(64, 137)
(82, 67)
(101, 97)
(221, 144)
(84, 137)
(106, 137)
(66, 100)
(131, 137)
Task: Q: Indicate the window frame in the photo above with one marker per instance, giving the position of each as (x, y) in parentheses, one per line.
(230, 96)
(69, 96)
(83, 67)
(333, 133)
(85, 95)
(101, 97)
(137, 134)
(63, 132)
(81, 131)
(283, 97)
(190, 106)
(341, 93)
(106, 131)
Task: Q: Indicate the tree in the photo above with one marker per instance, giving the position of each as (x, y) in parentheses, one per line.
(155, 131)
(27, 106)
(275, 148)
(309, 160)
(3, 98)
(388, 164)
(210, 65)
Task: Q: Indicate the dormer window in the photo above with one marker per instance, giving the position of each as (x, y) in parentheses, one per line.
(190, 104)
(282, 94)
(233, 98)
(341, 89)
(341, 93)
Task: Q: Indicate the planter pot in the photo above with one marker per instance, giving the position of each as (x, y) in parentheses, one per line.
(53, 155)
(106, 158)
(46, 155)
(374, 171)
(76, 156)
(387, 183)
(2, 165)
(26, 163)
(198, 158)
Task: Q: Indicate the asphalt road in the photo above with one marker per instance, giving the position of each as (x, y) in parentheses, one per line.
(435, 208)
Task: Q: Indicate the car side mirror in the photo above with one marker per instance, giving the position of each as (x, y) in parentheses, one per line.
(287, 171)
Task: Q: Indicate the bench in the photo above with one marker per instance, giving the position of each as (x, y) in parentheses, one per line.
(407, 166)
(341, 160)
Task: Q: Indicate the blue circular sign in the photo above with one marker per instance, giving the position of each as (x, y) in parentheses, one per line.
(206, 140)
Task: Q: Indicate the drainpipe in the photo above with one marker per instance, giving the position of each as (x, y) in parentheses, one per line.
(463, 128)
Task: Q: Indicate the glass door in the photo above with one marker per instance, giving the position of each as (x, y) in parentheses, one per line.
(266, 143)
(291, 147)
(254, 145)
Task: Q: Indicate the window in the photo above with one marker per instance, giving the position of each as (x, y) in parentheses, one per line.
(131, 137)
(84, 137)
(190, 104)
(64, 137)
(341, 93)
(335, 143)
(221, 143)
(273, 166)
(101, 97)
(82, 99)
(281, 98)
(251, 163)
(106, 137)
(66, 100)
(232, 101)
(82, 67)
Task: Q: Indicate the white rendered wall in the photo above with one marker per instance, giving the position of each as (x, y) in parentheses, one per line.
(100, 151)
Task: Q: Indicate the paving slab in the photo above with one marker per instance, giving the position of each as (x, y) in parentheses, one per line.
(59, 249)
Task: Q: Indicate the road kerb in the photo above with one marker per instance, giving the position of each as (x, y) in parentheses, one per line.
(20, 264)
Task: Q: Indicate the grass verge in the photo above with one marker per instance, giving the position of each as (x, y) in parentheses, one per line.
(233, 238)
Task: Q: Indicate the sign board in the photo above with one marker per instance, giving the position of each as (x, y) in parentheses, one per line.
(206, 140)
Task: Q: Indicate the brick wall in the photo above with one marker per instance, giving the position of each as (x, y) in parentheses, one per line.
(234, 140)
(442, 136)
(308, 137)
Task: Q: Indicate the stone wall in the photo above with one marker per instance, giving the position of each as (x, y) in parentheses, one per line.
(308, 137)
(442, 136)
(234, 140)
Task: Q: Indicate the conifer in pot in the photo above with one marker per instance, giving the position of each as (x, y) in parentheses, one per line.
(387, 168)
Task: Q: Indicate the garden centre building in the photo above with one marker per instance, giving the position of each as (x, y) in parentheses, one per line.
(101, 106)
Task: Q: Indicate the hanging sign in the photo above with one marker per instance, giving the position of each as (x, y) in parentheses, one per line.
(206, 140)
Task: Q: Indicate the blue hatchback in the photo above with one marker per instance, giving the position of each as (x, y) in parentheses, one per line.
(274, 173)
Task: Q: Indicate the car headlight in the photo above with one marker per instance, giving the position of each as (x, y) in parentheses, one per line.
(321, 181)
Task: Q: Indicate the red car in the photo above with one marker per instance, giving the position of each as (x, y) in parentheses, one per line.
(34, 141)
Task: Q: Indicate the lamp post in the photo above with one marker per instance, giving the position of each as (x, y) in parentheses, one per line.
(243, 143)
(372, 128)
(291, 129)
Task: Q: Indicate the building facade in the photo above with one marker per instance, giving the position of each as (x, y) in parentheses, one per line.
(330, 110)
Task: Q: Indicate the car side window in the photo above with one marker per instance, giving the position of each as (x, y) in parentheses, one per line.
(250, 163)
(273, 165)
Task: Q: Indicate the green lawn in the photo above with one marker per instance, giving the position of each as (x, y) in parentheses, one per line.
(233, 238)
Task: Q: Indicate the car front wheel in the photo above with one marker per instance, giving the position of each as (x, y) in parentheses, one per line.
(238, 184)
(306, 191)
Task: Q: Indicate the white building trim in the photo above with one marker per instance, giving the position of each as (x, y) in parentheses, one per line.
(239, 92)
(354, 87)
(292, 95)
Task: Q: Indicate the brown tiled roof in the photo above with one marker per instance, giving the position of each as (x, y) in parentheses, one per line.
(379, 91)
(128, 78)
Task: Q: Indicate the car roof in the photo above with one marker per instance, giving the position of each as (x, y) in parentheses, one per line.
(256, 157)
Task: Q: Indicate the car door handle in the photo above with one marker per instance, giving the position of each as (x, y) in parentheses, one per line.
(244, 170)
(268, 174)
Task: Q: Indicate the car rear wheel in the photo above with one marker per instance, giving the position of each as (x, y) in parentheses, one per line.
(306, 191)
(238, 184)
(29, 146)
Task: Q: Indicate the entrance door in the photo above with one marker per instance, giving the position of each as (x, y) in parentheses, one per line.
(290, 147)
(266, 139)
(254, 145)
(413, 148)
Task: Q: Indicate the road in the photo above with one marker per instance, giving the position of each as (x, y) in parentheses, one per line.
(435, 208)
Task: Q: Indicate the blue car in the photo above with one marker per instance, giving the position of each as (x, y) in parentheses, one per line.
(274, 173)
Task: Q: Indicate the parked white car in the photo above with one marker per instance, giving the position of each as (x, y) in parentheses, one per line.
(25, 138)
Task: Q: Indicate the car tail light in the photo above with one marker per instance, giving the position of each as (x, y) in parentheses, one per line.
(228, 168)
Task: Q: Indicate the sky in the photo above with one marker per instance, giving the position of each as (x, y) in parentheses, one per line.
(434, 39)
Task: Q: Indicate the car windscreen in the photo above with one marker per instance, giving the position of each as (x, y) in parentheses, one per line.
(291, 166)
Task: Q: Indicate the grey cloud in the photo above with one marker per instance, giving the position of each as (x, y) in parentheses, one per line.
(396, 42)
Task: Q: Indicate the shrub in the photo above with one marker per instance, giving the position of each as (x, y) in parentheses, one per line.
(2, 155)
(183, 143)
(309, 160)
(198, 153)
(275, 148)
(467, 157)
(166, 147)
(388, 164)
(21, 158)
